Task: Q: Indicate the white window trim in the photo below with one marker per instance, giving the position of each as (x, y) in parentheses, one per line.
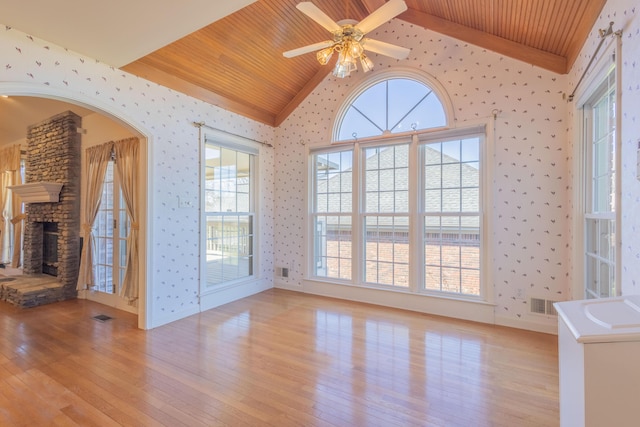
(600, 70)
(486, 297)
(396, 73)
(254, 148)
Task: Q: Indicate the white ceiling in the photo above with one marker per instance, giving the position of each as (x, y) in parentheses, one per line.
(17, 113)
(115, 32)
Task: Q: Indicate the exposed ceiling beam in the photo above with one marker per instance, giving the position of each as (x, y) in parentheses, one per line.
(168, 80)
(546, 60)
(303, 93)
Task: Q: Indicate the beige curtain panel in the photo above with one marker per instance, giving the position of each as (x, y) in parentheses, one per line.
(127, 166)
(97, 159)
(9, 212)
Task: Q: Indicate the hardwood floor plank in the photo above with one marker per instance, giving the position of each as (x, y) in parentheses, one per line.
(278, 358)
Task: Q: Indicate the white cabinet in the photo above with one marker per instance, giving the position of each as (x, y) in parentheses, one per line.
(599, 357)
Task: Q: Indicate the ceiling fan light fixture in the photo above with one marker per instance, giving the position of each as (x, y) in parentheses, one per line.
(348, 38)
(324, 55)
(367, 64)
(345, 65)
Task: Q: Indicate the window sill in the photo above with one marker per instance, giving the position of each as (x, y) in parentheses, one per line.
(442, 305)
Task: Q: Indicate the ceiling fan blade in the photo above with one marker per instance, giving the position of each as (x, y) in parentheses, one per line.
(307, 49)
(386, 49)
(384, 13)
(312, 11)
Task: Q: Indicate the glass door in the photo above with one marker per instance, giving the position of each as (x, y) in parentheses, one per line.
(110, 231)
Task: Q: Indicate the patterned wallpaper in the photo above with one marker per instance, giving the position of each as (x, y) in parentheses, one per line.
(531, 169)
(166, 117)
(624, 15)
(530, 210)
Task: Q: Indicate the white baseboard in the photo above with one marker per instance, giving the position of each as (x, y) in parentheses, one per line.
(547, 324)
(283, 284)
(459, 309)
(229, 294)
(156, 322)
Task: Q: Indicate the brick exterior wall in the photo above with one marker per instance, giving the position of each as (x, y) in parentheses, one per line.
(53, 155)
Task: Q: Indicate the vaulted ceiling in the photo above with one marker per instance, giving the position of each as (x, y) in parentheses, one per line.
(237, 63)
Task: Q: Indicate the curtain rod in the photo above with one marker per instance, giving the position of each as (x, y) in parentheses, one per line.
(603, 34)
(203, 124)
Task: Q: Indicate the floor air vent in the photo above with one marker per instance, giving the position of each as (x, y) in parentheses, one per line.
(543, 306)
(102, 317)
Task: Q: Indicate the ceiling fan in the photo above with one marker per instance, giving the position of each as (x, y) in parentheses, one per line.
(349, 38)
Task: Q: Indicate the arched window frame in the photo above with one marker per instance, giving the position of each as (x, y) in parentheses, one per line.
(419, 77)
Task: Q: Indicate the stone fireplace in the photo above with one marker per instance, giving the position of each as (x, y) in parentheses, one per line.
(52, 229)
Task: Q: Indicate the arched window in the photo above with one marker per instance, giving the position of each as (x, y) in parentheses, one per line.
(397, 204)
(391, 106)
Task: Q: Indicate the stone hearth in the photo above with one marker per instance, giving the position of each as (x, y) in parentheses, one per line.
(53, 155)
(31, 290)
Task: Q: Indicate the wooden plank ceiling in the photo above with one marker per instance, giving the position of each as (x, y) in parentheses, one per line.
(237, 63)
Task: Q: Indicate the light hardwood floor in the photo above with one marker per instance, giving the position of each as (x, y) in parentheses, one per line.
(279, 358)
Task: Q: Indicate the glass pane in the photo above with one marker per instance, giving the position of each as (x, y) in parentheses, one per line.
(346, 182)
(470, 200)
(591, 232)
(372, 105)
(123, 253)
(404, 95)
(395, 105)
(355, 125)
(451, 280)
(372, 180)
(432, 278)
(452, 249)
(401, 156)
(471, 174)
(346, 202)
(602, 157)
(604, 280)
(451, 200)
(401, 179)
(433, 176)
(428, 114)
(387, 178)
(432, 201)
(229, 249)
(451, 175)
(333, 182)
(603, 194)
(322, 203)
(387, 202)
(332, 251)
(470, 282)
(433, 154)
(387, 250)
(451, 152)
(401, 203)
(471, 150)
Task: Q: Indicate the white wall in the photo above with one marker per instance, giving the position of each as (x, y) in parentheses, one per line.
(531, 193)
(625, 16)
(32, 66)
(530, 211)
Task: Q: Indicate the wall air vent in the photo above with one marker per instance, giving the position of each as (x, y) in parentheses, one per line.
(542, 306)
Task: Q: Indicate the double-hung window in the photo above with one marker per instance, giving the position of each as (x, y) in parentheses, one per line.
(403, 211)
(600, 184)
(451, 215)
(229, 213)
(385, 239)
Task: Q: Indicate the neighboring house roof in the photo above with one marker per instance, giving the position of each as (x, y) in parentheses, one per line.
(447, 177)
